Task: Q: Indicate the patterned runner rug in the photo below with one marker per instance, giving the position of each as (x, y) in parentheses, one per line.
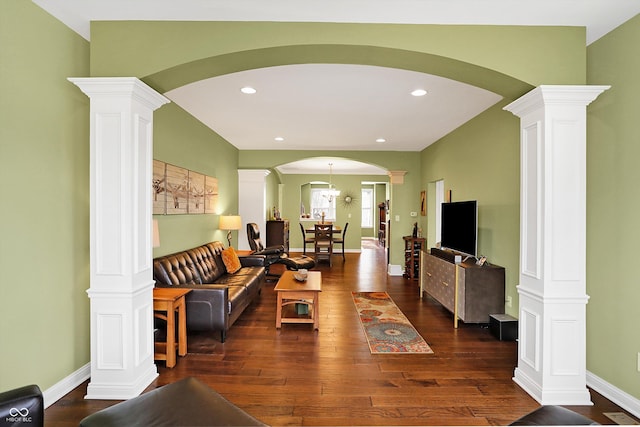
(385, 326)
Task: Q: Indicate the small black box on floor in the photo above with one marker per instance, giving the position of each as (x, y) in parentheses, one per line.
(503, 327)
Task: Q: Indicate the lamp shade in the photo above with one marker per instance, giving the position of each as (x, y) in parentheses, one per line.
(156, 234)
(230, 222)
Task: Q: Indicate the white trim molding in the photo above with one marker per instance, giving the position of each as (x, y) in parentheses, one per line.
(121, 276)
(614, 394)
(552, 289)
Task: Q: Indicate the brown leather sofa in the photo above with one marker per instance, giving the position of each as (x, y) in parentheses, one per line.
(217, 298)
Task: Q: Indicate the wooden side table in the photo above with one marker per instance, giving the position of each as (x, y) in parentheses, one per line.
(166, 302)
(290, 291)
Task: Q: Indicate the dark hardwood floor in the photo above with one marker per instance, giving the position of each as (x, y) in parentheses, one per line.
(297, 376)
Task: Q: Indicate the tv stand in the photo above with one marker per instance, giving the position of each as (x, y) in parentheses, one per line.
(470, 291)
(447, 255)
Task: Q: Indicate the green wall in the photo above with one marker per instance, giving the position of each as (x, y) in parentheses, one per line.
(44, 168)
(183, 141)
(351, 214)
(406, 196)
(613, 151)
(44, 260)
(481, 161)
(498, 58)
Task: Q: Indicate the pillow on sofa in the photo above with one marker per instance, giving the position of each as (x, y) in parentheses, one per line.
(231, 260)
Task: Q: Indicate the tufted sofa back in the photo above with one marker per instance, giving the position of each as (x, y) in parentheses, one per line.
(205, 262)
(194, 266)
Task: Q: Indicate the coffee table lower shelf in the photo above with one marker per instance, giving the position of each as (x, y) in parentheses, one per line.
(291, 291)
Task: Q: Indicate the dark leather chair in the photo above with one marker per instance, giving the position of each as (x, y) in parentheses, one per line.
(272, 254)
(22, 406)
(340, 240)
(305, 240)
(553, 415)
(185, 402)
(275, 254)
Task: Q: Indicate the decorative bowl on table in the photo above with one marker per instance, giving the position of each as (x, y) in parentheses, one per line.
(300, 275)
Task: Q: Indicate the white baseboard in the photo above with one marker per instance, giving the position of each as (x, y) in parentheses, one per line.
(614, 394)
(67, 384)
(395, 270)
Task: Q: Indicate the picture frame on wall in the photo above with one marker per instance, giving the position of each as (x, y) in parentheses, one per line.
(177, 190)
(196, 193)
(158, 184)
(423, 203)
(210, 194)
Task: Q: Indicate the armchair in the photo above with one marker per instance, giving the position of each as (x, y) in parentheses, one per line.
(275, 254)
(272, 253)
(24, 405)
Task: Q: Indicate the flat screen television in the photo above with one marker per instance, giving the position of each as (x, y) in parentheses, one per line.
(459, 231)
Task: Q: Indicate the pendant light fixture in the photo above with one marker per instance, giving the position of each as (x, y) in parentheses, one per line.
(332, 193)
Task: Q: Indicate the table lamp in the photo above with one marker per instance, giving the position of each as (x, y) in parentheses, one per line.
(230, 222)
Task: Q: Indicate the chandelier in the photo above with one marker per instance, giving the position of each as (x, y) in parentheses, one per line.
(331, 193)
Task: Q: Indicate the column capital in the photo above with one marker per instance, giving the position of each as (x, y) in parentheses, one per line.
(547, 95)
(109, 87)
(396, 177)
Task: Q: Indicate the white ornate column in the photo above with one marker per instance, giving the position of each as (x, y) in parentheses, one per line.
(552, 290)
(121, 288)
(252, 203)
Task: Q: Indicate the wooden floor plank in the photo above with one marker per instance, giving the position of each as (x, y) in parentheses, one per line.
(297, 376)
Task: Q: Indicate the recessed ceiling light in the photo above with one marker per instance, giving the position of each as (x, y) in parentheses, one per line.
(248, 90)
(419, 92)
(278, 139)
(381, 140)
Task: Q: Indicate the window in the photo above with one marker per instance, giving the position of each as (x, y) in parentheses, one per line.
(320, 202)
(367, 208)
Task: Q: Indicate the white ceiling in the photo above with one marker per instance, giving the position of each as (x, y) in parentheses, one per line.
(332, 107)
(340, 107)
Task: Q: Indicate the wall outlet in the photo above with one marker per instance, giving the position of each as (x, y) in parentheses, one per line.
(509, 304)
(414, 213)
(397, 218)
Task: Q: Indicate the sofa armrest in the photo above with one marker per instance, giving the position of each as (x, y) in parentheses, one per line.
(252, 260)
(22, 406)
(207, 306)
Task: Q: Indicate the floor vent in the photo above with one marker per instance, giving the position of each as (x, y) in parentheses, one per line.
(621, 418)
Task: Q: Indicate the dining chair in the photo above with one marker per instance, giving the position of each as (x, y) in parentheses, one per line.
(323, 242)
(305, 240)
(340, 240)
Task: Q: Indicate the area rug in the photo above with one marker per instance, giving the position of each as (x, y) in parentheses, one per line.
(387, 329)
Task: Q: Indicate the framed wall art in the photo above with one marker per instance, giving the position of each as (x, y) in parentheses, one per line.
(177, 190)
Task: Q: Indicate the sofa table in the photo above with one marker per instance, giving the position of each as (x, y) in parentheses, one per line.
(291, 291)
(166, 303)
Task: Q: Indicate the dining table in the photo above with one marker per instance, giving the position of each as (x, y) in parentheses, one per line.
(336, 229)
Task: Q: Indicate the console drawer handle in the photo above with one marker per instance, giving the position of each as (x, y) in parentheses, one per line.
(445, 283)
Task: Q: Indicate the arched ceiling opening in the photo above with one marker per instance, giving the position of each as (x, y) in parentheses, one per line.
(334, 97)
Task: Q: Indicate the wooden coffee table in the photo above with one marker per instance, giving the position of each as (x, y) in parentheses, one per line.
(290, 291)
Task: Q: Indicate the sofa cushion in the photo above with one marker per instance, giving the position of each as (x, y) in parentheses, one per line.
(216, 249)
(176, 269)
(231, 260)
(206, 264)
